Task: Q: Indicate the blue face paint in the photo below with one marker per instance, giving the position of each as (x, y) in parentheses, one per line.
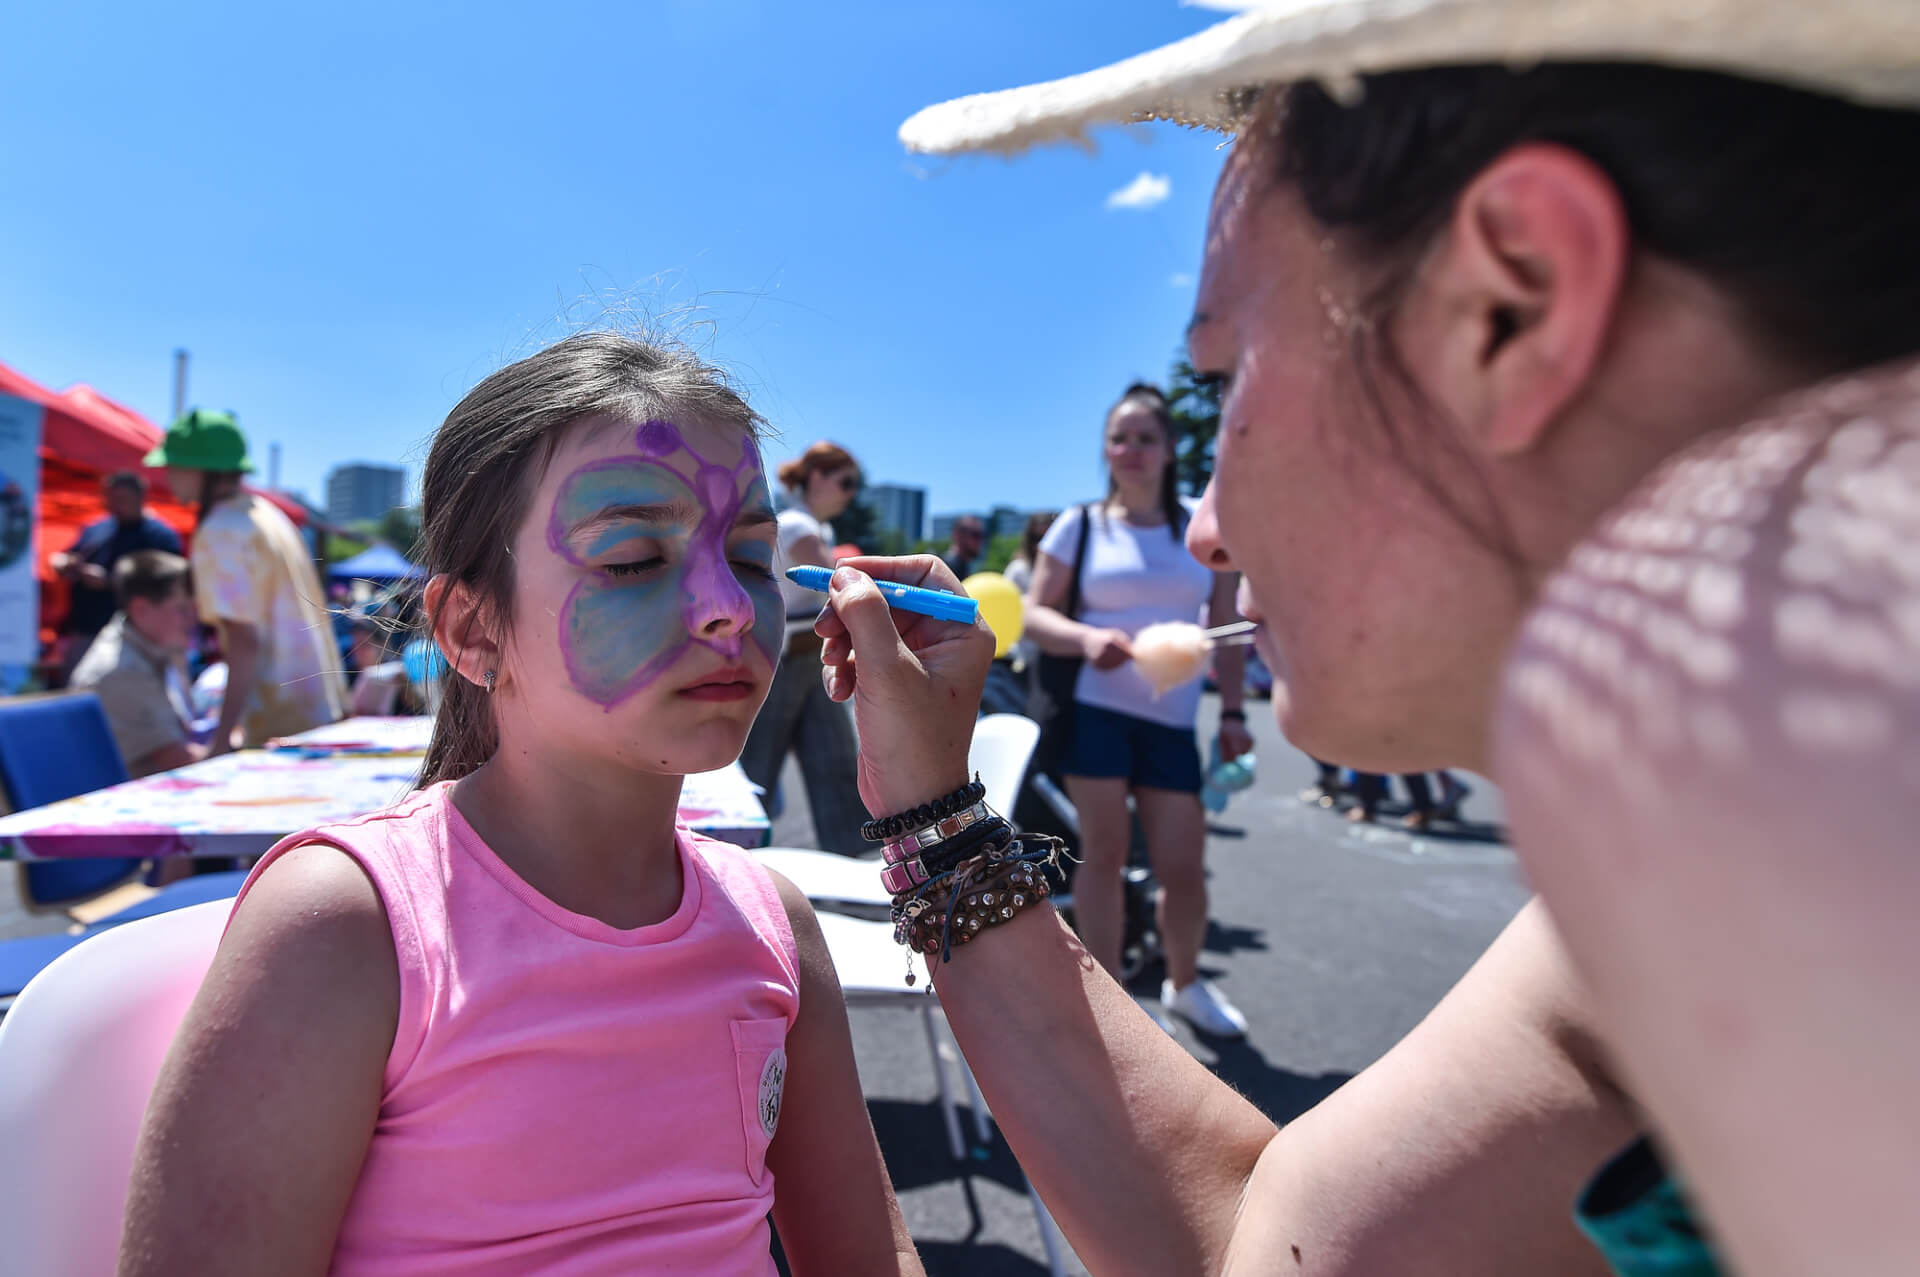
(620, 632)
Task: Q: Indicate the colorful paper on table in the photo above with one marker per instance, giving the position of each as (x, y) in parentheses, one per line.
(241, 804)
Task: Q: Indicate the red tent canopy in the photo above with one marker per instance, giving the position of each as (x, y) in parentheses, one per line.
(84, 437)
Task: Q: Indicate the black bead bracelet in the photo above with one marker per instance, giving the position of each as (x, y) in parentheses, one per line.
(925, 814)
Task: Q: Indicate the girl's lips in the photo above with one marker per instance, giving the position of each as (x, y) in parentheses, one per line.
(718, 691)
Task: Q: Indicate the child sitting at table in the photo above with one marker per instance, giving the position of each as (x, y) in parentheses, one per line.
(521, 1022)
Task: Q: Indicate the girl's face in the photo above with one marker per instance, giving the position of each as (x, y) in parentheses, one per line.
(646, 616)
(1136, 445)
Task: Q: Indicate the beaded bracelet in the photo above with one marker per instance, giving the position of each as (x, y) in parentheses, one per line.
(993, 835)
(920, 841)
(925, 814)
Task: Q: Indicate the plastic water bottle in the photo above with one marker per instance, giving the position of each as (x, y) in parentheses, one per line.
(1224, 779)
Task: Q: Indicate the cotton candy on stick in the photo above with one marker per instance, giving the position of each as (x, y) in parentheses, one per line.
(1169, 653)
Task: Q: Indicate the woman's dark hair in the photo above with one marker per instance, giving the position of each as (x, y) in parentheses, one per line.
(486, 460)
(1801, 207)
(1037, 524)
(1153, 398)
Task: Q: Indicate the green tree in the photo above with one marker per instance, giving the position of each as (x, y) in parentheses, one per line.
(858, 524)
(400, 528)
(1196, 411)
(1000, 552)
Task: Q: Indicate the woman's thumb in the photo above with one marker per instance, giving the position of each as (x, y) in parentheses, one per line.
(861, 607)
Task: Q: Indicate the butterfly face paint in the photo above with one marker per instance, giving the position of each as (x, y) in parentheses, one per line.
(681, 586)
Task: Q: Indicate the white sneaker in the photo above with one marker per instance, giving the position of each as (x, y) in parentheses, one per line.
(1205, 1008)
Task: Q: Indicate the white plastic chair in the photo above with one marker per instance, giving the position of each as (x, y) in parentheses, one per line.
(1002, 749)
(79, 1052)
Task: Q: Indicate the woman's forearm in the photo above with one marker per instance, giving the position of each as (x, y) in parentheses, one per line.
(1142, 1155)
(1056, 633)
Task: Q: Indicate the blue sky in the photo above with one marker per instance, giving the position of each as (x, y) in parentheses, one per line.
(350, 213)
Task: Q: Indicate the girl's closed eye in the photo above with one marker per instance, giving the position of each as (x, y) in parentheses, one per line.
(636, 567)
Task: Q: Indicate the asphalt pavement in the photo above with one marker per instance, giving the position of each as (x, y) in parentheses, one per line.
(1335, 939)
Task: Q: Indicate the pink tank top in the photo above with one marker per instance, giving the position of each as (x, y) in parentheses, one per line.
(564, 1097)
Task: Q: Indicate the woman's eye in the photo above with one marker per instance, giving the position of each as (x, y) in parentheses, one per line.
(636, 568)
(754, 569)
(1213, 382)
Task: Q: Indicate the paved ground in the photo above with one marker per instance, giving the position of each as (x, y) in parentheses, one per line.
(1334, 939)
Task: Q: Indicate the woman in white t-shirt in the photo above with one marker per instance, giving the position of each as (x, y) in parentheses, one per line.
(798, 715)
(1126, 739)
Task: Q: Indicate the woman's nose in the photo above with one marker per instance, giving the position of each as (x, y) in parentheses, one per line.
(1203, 534)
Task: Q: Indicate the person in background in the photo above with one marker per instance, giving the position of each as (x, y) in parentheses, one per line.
(88, 564)
(379, 680)
(1127, 738)
(136, 664)
(798, 717)
(254, 582)
(966, 543)
(1020, 573)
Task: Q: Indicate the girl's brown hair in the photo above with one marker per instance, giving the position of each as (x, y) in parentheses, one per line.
(822, 458)
(487, 458)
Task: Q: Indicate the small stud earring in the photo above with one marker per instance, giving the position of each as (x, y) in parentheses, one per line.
(487, 678)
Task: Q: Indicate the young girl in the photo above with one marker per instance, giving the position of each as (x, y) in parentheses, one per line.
(521, 1022)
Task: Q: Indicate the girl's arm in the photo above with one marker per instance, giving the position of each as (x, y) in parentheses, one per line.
(833, 1203)
(262, 1113)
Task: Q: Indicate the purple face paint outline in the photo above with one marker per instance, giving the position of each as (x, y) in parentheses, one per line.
(708, 587)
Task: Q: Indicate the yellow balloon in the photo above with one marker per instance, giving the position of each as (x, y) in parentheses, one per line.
(1000, 607)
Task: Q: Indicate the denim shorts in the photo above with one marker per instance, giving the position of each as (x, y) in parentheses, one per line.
(1110, 745)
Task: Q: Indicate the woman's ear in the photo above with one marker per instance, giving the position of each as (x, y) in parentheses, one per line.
(460, 629)
(1509, 314)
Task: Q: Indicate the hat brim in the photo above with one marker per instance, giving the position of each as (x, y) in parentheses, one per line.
(1868, 50)
(158, 458)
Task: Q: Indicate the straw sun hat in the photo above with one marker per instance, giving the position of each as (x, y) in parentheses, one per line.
(1868, 50)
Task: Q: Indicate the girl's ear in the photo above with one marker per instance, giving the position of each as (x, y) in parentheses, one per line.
(459, 627)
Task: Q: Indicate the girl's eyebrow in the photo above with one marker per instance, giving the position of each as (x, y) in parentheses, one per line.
(660, 514)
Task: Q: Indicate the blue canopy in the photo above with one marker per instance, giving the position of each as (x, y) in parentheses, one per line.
(376, 563)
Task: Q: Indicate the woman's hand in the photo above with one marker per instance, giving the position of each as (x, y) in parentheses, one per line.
(1235, 739)
(915, 682)
(1106, 649)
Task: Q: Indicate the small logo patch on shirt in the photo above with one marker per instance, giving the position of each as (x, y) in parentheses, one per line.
(773, 1082)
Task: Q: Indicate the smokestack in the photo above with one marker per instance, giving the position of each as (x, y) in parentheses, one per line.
(179, 384)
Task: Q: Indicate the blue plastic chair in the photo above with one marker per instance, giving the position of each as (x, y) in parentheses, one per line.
(54, 747)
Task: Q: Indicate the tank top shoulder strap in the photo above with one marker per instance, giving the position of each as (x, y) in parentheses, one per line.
(750, 888)
(402, 850)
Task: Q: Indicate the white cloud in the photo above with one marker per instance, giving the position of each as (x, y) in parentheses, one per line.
(1224, 6)
(1142, 192)
(1180, 280)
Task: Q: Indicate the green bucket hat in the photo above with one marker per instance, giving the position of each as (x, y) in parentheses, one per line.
(203, 440)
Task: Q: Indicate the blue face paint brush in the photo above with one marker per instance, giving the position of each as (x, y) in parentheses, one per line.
(907, 598)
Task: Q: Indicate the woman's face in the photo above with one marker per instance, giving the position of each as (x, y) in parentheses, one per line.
(830, 492)
(1383, 616)
(646, 620)
(1136, 446)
